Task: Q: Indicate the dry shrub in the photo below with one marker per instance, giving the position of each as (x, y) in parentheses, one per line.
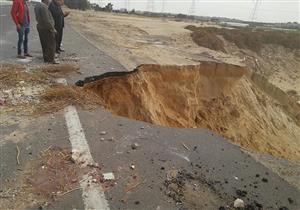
(55, 97)
(244, 38)
(11, 74)
(58, 97)
(59, 70)
(208, 39)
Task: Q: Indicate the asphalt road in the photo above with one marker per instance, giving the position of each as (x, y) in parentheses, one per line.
(223, 167)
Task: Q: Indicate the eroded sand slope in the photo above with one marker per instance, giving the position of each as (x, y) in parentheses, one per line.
(135, 40)
(220, 97)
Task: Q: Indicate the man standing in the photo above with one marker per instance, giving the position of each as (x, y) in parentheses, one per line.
(45, 27)
(58, 16)
(20, 15)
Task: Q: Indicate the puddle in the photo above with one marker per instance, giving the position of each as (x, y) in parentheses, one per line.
(220, 97)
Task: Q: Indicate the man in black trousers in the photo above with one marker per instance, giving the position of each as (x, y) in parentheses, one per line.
(45, 27)
(58, 16)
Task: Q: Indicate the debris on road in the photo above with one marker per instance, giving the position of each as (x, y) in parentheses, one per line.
(191, 190)
(72, 190)
(132, 166)
(108, 176)
(241, 193)
(18, 154)
(103, 133)
(171, 174)
(133, 185)
(134, 146)
(185, 146)
(55, 177)
(111, 139)
(239, 203)
(34, 89)
(57, 97)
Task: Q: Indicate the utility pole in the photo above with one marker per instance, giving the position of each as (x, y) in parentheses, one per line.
(150, 6)
(193, 8)
(254, 11)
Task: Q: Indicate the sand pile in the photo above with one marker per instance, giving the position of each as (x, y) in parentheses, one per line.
(216, 96)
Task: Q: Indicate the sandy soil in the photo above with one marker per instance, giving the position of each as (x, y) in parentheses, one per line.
(135, 40)
(219, 97)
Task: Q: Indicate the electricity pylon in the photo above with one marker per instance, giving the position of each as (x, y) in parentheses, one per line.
(254, 11)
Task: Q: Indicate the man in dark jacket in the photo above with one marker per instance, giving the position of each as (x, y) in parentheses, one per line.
(45, 27)
(20, 15)
(58, 16)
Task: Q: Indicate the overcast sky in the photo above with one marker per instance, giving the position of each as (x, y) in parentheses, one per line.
(267, 10)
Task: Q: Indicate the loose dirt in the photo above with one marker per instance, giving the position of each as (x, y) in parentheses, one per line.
(13, 75)
(43, 180)
(220, 97)
(189, 191)
(35, 91)
(53, 174)
(60, 96)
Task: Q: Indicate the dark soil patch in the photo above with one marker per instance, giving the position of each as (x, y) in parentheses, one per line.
(53, 174)
(244, 38)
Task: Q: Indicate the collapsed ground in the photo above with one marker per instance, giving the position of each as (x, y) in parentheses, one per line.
(135, 40)
(266, 101)
(220, 97)
(235, 95)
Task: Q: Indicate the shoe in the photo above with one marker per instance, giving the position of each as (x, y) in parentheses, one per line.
(28, 55)
(61, 50)
(21, 57)
(52, 62)
(55, 62)
(57, 51)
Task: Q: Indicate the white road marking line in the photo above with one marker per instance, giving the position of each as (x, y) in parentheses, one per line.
(92, 193)
(180, 155)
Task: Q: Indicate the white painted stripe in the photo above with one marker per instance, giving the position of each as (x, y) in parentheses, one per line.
(80, 148)
(93, 198)
(92, 193)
